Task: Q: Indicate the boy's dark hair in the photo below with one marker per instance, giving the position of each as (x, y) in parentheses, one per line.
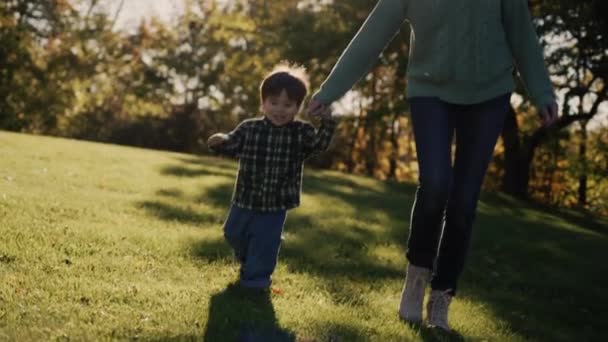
(286, 77)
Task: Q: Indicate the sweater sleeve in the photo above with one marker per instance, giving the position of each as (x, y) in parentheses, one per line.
(233, 146)
(362, 52)
(527, 51)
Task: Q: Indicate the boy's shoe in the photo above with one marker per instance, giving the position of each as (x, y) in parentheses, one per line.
(412, 297)
(437, 309)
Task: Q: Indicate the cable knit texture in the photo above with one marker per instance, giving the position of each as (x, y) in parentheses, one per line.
(462, 51)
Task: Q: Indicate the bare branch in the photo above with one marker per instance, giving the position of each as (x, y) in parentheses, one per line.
(562, 122)
(118, 10)
(601, 97)
(91, 7)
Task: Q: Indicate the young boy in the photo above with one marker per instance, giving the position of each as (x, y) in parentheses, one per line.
(271, 151)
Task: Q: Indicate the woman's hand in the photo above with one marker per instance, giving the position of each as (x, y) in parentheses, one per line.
(327, 114)
(548, 114)
(217, 139)
(316, 109)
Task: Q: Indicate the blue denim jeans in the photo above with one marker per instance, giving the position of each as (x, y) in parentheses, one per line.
(446, 198)
(255, 237)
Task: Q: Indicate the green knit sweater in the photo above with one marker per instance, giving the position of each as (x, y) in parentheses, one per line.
(462, 51)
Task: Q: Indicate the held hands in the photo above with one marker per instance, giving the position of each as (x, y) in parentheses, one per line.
(548, 114)
(217, 139)
(318, 110)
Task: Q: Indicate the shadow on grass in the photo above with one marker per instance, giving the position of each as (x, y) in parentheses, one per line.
(237, 314)
(392, 198)
(577, 217)
(202, 166)
(218, 196)
(178, 171)
(537, 274)
(212, 250)
(207, 161)
(433, 334)
(325, 253)
(240, 315)
(328, 253)
(172, 213)
(544, 280)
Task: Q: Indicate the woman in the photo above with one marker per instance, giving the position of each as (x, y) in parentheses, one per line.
(462, 54)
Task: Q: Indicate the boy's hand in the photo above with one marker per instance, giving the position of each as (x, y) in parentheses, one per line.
(217, 139)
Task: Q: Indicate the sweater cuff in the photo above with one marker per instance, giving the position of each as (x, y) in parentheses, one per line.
(322, 97)
(542, 101)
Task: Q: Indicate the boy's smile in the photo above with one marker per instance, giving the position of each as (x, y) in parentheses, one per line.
(280, 109)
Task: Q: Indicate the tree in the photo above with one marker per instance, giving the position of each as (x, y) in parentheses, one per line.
(31, 68)
(576, 36)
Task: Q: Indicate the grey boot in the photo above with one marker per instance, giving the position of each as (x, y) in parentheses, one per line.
(437, 309)
(412, 297)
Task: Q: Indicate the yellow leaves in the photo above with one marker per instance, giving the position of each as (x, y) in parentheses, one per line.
(7, 21)
(562, 164)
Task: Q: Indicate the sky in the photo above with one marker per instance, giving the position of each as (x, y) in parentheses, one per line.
(134, 10)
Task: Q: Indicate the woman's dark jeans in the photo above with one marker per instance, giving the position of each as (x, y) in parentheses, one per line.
(446, 198)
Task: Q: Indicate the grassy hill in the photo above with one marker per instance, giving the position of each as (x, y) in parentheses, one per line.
(101, 242)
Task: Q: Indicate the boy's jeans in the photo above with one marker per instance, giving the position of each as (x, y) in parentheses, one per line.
(447, 194)
(255, 237)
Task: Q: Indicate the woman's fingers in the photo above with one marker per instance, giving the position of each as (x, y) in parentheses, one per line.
(316, 108)
(553, 109)
(326, 112)
(548, 114)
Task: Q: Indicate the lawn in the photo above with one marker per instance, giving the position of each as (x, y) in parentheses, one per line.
(105, 242)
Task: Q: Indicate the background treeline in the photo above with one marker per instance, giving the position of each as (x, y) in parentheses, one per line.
(67, 70)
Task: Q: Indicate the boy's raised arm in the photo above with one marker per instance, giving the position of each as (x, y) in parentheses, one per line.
(230, 144)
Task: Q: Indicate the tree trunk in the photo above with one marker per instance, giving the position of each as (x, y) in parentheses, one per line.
(371, 157)
(517, 160)
(395, 129)
(350, 163)
(582, 180)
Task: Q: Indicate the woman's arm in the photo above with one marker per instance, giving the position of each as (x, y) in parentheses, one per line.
(527, 51)
(360, 55)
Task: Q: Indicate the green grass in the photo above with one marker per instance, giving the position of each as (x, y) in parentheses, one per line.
(107, 242)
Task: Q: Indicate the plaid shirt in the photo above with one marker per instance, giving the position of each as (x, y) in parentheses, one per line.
(271, 159)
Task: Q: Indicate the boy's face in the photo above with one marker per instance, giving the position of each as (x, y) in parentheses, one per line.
(279, 109)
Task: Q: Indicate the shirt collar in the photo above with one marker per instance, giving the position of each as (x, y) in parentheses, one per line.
(269, 123)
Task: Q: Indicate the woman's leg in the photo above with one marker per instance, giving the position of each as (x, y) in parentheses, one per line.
(477, 129)
(433, 131)
(431, 120)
